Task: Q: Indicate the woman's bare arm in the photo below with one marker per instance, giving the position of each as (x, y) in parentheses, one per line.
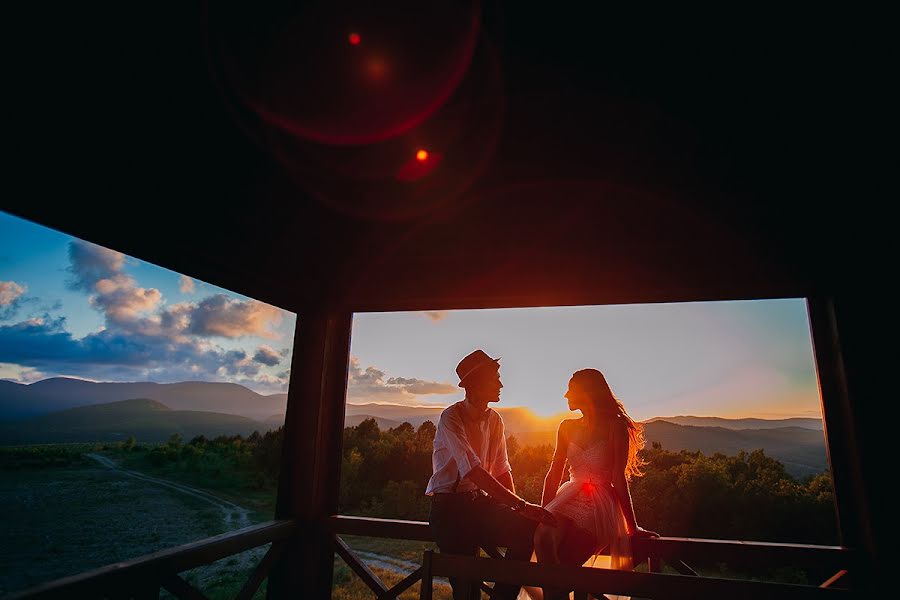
(554, 474)
(620, 482)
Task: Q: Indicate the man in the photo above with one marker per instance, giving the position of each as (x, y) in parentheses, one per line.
(473, 499)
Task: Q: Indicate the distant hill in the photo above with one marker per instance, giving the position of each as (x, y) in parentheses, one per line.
(515, 418)
(805, 423)
(798, 443)
(801, 450)
(354, 420)
(20, 401)
(147, 420)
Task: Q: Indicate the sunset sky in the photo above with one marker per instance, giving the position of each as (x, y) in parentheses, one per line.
(71, 308)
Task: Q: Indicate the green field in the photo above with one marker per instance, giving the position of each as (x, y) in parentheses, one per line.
(66, 514)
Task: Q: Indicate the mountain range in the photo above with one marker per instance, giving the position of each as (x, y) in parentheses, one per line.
(69, 410)
(20, 401)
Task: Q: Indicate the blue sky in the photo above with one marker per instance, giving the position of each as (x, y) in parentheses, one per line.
(71, 308)
(729, 359)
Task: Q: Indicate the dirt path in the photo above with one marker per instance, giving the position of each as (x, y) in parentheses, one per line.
(235, 516)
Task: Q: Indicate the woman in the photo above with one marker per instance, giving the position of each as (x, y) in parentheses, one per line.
(593, 509)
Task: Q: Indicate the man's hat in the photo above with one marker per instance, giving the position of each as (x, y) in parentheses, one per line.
(472, 363)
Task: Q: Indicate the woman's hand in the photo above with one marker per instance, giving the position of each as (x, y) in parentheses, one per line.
(640, 532)
(539, 514)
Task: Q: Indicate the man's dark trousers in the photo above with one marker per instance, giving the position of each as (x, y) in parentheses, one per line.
(463, 522)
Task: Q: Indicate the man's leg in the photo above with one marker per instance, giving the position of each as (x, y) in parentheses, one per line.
(451, 524)
(499, 525)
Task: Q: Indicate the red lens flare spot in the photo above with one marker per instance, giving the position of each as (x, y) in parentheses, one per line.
(421, 164)
(354, 39)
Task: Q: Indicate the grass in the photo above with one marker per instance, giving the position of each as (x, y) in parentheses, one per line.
(59, 521)
(212, 473)
(408, 550)
(347, 586)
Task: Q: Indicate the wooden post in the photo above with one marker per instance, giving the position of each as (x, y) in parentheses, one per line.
(308, 485)
(426, 586)
(841, 430)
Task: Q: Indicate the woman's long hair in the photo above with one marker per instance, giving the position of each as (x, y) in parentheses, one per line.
(594, 385)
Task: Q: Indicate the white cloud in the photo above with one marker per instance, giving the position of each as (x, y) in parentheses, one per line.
(370, 385)
(230, 317)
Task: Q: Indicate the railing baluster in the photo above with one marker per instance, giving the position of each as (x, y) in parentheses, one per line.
(834, 578)
(403, 585)
(261, 571)
(683, 568)
(427, 581)
(359, 567)
(181, 588)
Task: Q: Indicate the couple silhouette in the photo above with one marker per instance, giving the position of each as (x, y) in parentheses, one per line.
(473, 498)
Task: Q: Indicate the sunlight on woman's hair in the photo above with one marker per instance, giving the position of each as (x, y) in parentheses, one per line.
(593, 383)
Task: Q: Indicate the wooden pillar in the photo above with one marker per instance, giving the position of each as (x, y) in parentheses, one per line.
(309, 481)
(841, 428)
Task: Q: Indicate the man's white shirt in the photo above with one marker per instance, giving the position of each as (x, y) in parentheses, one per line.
(457, 449)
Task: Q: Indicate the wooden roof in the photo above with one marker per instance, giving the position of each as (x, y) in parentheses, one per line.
(596, 158)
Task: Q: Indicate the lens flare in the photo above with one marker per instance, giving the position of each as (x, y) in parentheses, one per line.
(354, 39)
(422, 155)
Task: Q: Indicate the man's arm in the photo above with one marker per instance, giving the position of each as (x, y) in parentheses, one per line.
(506, 480)
(497, 491)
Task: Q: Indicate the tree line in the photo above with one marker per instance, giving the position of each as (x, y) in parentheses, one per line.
(747, 496)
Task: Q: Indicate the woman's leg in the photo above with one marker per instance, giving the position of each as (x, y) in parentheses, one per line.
(548, 542)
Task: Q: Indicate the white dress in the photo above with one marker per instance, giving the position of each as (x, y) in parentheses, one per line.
(589, 500)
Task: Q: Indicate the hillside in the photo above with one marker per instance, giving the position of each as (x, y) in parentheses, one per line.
(147, 420)
(20, 401)
(805, 423)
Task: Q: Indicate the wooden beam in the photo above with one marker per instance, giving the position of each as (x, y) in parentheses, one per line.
(402, 586)
(361, 569)
(310, 466)
(671, 549)
(854, 524)
(834, 578)
(147, 570)
(382, 528)
(652, 585)
(260, 572)
(181, 588)
(426, 589)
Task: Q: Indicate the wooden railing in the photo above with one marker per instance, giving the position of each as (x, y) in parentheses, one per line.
(835, 560)
(144, 576)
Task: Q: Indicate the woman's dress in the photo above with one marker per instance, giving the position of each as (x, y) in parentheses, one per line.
(588, 499)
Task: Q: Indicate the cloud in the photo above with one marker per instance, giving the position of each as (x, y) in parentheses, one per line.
(122, 301)
(267, 356)
(370, 385)
(186, 284)
(231, 318)
(20, 374)
(44, 344)
(436, 315)
(89, 263)
(142, 339)
(10, 298)
(98, 271)
(418, 386)
(10, 292)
